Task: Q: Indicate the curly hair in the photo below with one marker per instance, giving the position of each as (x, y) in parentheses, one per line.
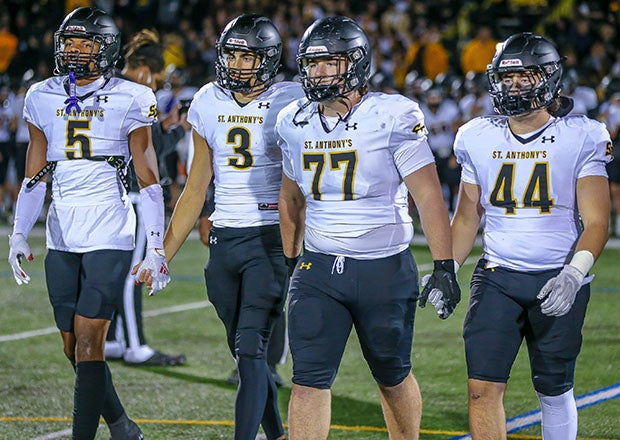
(144, 49)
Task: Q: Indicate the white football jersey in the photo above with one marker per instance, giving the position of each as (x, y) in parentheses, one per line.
(90, 209)
(351, 172)
(528, 185)
(247, 163)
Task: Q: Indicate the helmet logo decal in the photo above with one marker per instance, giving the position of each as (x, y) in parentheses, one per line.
(510, 62)
(316, 49)
(76, 28)
(237, 41)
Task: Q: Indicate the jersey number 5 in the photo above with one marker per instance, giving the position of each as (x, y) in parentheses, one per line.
(335, 159)
(536, 194)
(73, 138)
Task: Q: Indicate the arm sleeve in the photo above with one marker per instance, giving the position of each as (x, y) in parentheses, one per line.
(29, 205)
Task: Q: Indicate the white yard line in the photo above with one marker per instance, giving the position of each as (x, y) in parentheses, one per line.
(516, 424)
(150, 313)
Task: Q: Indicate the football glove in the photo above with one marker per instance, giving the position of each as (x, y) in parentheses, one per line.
(435, 297)
(441, 288)
(559, 293)
(18, 249)
(291, 263)
(153, 271)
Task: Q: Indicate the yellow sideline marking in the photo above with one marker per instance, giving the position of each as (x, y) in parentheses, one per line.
(231, 423)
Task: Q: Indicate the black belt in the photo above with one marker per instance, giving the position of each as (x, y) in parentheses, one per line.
(117, 162)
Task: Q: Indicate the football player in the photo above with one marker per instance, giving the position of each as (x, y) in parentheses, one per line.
(539, 178)
(234, 141)
(144, 64)
(349, 159)
(85, 125)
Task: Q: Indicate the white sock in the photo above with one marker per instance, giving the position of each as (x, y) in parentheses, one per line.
(139, 354)
(559, 416)
(114, 349)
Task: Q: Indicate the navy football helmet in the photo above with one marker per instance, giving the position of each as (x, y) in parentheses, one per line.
(249, 33)
(332, 37)
(533, 56)
(93, 24)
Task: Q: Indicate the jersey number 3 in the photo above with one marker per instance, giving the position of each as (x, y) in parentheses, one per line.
(239, 138)
(536, 193)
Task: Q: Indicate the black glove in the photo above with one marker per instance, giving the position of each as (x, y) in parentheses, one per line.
(444, 280)
(291, 263)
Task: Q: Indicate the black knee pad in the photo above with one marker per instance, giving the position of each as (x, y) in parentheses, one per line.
(387, 345)
(551, 386)
(554, 380)
(251, 343)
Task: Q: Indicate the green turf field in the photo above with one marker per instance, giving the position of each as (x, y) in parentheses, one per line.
(194, 401)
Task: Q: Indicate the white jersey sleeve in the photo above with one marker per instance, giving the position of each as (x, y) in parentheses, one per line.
(528, 185)
(409, 138)
(247, 162)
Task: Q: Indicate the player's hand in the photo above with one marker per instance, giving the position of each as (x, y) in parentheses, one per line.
(18, 249)
(435, 297)
(559, 292)
(291, 263)
(153, 271)
(441, 288)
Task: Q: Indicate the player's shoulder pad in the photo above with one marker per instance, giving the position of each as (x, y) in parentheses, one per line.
(47, 85)
(127, 86)
(479, 125)
(299, 109)
(579, 121)
(393, 104)
(290, 88)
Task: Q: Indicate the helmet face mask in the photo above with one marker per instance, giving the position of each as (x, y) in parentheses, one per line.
(524, 75)
(334, 38)
(248, 35)
(86, 24)
(328, 85)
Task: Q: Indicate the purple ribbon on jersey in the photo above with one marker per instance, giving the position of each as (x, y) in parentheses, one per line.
(72, 100)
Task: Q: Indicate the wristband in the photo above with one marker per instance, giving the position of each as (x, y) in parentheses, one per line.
(582, 261)
(446, 265)
(28, 207)
(152, 207)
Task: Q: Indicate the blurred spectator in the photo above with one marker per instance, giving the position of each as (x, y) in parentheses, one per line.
(442, 119)
(585, 100)
(479, 51)
(610, 115)
(8, 43)
(175, 94)
(476, 101)
(6, 148)
(20, 128)
(427, 55)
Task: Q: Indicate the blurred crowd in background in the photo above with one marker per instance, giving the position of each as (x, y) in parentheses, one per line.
(433, 51)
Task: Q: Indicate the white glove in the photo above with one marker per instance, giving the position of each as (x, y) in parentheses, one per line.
(559, 292)
(153, 271)
(19, 249)
(435, 297)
